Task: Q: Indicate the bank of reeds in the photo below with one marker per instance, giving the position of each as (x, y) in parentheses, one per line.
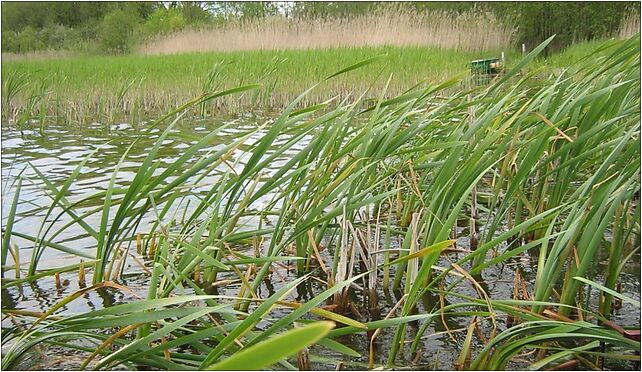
(135, 88)
(630, 25)
(38, 55)
(132, 88)
(547, 170)
(469, 31)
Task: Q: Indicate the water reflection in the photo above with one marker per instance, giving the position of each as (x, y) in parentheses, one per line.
(10, 299)
(62, 149)
(107, 297)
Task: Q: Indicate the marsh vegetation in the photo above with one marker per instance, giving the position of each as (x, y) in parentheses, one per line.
(495, 226)
(263, 185)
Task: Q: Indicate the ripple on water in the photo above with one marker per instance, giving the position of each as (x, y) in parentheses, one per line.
(57, 153)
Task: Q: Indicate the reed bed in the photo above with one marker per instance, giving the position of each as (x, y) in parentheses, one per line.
(471, 32)
(132, 88)
(545, 168)
(630, 25)
(38, 55)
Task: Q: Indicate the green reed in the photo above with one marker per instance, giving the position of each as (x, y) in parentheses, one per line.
(544, 165)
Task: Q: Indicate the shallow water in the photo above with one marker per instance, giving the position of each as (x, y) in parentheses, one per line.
(61, 149)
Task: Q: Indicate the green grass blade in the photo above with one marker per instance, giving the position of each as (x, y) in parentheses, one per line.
(268, 352)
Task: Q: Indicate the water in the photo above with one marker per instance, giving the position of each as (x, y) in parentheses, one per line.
(62, 148)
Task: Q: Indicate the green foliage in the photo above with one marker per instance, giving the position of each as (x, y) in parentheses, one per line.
(247, 10)
(18, 15)
(29, 26)
(318, 9)
(194, 14)
(570, 21)
(28, 40)
(10, 41)
(260, 356)
(573, 54)
(535, 21)
(56, 36)
(116, 32)
(51, 37)
(164, 21)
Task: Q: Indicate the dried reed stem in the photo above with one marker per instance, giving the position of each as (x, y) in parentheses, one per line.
(467, 31)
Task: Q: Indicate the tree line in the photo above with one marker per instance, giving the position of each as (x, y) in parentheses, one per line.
(116, 27)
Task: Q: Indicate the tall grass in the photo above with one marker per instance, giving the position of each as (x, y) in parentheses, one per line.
(104, 88)
(38, 55)
(469, 31)
(555, 165)
(630, 25)
(135, 88)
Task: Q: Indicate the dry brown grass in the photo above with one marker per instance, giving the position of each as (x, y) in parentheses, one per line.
(630, 25)
(467, 32)
(37, 55)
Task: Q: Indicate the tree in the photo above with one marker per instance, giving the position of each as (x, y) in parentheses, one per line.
(195, 12)
(116, 31)
(18, 15)
(332, 9)
(164, 21)
(246, 10)
(28, 40)
(10, 41)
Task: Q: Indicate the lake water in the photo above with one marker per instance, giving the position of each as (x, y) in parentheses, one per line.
(61, 149)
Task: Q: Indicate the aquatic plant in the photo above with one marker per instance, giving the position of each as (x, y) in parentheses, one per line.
(109, 88)
(370, 199)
